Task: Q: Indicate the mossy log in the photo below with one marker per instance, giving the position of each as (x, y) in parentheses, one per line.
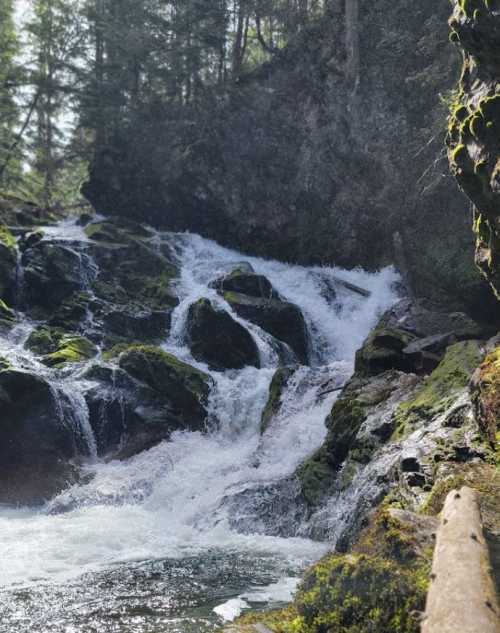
(461, 596)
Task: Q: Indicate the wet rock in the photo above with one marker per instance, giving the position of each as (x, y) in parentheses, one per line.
(217, 339)
(28, 240)
(8, 261)
(413, 336)
(57, 348)
(248, 283)
(281, 319)
(37, 443)
(140, 403)
(276, 388)
(486, 396)
(7, 316)
(253, 298)
(52, 273)
(136, 324)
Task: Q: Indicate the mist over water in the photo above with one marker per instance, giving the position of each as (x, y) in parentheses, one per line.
(156, 542)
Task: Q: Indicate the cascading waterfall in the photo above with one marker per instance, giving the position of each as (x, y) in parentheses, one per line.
(162, 538)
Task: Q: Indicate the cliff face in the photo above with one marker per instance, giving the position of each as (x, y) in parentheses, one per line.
(332, 153)
(474, 127)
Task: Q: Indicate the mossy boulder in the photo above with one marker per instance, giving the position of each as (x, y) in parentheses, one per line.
(134, 275)
(58, 348)
(52, 273)
(144, 397)
(132, 323)
(440, 389)
(486, 397)
(413, 336)
(244, 281)
(215, 338)
(7, 316)
(382, 350)
(276, 388)
(37, 444)
(281, 319)
(380, 586)
(8, 261)
(71, 349)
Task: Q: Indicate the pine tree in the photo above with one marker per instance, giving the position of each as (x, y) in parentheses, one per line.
(10, 148)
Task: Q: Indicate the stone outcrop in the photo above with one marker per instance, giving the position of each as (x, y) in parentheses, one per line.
(474, 125)
(143, 397)
(254, 299)
(217, 339)
(38, 449)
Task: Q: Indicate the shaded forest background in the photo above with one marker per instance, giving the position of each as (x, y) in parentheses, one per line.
(75, 73)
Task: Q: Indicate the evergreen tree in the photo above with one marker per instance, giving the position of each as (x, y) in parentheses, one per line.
(10, 147)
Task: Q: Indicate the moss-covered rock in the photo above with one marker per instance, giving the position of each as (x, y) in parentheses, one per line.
(380, 586)
(246, 282)
(52, 273)
(276, 388)
(281, 319)
(143, 397)
(164, 372)
(8, 261)
(441, 388)
(473, 145)
(71, 349)
(217, 339)
(486, 397)
(58, 348)
(7, 315)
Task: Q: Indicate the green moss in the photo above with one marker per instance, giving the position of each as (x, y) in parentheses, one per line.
(487, 397)
(7, 315)
(359, 593)
(460, 156)
(156, 368)
(278, 383)
(71, 349)
(44, 340)
(316, 476)
(4, 363)
(6, 237)
(489, 107)
(440, 388)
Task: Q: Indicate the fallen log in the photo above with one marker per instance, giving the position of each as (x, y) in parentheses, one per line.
(462, 596)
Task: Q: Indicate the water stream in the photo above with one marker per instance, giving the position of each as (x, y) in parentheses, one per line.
(171, 540)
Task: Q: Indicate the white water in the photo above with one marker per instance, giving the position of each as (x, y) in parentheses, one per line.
(171, 502)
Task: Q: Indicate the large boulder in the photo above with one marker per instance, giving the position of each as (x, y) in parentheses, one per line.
(58, 348)
(217, 339)
(37, 442)
(141, 401)
(134, 283)
(8, 261)
(413, 336)
(52, 273)
(281, 319)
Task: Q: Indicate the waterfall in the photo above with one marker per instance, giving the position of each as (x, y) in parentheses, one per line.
(198, 495)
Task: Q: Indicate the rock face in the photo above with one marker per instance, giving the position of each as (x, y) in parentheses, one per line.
(342, 160)
(217, 339)
(474, 126)
(413, 336)
(37, 445)
(144, 398)
(8, 262)
(254, 299)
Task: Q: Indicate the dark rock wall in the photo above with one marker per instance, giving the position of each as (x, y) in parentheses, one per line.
(474, 126)
(332, 153)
